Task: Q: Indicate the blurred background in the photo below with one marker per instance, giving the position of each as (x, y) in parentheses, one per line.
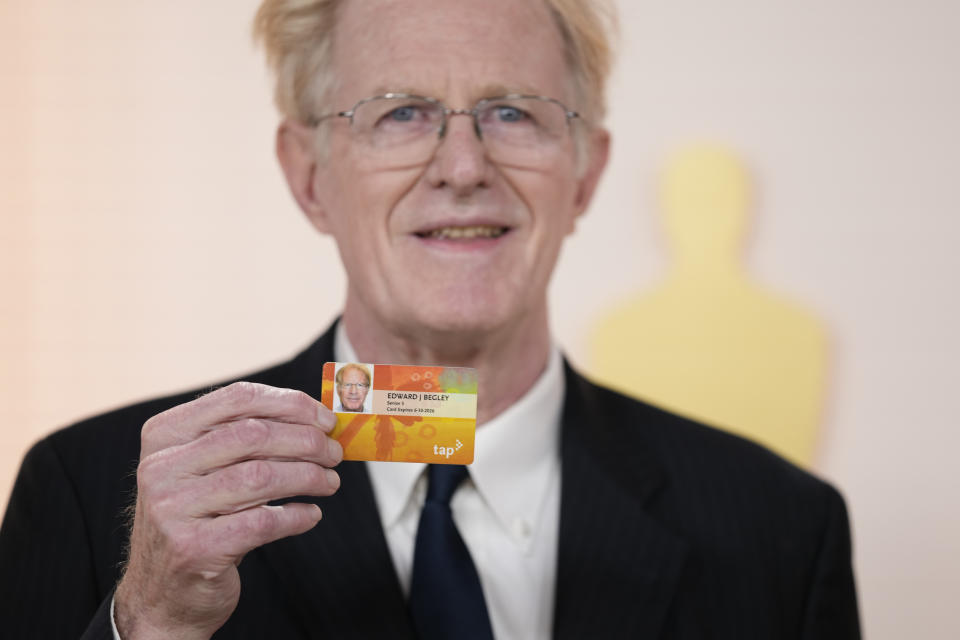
(148, 242)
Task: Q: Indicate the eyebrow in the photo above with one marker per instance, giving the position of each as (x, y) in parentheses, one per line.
(503, 89)
(487, 91)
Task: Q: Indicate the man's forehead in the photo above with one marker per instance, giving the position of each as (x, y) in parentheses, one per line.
(421, 19)
(411, 46)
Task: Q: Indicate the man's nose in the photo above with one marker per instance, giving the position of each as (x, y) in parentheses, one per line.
(461, 161)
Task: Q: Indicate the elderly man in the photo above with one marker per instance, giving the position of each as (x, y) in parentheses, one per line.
(449, 147)
(353, 383)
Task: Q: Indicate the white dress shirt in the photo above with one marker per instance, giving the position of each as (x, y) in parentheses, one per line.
(508, 511)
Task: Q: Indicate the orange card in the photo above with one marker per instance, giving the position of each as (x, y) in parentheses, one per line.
(402, 413)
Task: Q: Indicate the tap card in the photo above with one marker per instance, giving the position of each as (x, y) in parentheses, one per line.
(401, 413)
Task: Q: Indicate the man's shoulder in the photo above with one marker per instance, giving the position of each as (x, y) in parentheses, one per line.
(697, 458)
(740, 529)
(114, 435)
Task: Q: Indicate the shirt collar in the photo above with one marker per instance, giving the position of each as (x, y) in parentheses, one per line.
(516, 454)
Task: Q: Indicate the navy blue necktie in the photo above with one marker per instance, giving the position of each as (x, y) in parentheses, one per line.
(446, 600)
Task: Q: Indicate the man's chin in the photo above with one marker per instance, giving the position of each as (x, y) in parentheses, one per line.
(447, 317)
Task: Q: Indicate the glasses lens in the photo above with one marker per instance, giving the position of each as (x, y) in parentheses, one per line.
(390, 122)
(522, 130)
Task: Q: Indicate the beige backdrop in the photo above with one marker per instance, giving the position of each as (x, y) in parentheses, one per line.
(148, 243)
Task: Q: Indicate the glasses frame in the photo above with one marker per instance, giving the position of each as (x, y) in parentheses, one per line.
(447, 111)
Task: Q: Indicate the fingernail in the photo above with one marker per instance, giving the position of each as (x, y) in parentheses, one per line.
(333, 479)
(336, 449)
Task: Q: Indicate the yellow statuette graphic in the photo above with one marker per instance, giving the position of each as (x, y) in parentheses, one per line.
(402, 413)
(709, 341)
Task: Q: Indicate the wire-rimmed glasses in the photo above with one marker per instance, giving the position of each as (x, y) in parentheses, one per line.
(400, 129)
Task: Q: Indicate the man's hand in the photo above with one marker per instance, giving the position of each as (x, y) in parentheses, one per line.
(207, 469)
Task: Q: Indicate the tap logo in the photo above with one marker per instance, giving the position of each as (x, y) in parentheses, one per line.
(447, 451)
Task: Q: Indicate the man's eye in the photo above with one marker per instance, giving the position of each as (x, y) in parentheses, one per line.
(403, 114)
(511, 114)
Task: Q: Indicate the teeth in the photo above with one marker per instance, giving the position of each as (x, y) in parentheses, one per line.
(478, 231)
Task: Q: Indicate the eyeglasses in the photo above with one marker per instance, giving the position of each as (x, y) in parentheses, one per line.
(355, 386)
(399, 129)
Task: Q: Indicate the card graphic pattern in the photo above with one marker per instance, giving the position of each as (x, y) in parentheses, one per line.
(419, 414)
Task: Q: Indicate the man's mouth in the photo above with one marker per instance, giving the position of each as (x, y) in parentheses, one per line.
(465, 233)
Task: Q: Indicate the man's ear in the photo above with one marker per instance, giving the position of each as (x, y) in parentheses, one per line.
(597, 150)
(296, 151)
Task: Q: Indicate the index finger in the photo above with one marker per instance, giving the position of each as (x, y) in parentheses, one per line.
(186, 422)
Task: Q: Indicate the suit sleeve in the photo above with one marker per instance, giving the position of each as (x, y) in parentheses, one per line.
(48, 586)
(831, 607)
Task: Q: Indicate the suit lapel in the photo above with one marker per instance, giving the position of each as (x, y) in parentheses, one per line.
(339, 576)
(617, 567)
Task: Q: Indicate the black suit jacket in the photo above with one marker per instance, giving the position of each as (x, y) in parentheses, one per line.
(668, 529)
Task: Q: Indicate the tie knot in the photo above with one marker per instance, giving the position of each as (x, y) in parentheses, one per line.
(443, 480)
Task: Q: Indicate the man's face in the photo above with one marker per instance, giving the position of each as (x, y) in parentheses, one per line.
(387, 221)
(353, 390)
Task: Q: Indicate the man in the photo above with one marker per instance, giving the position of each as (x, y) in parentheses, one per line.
(353, 383)
(448, 147)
